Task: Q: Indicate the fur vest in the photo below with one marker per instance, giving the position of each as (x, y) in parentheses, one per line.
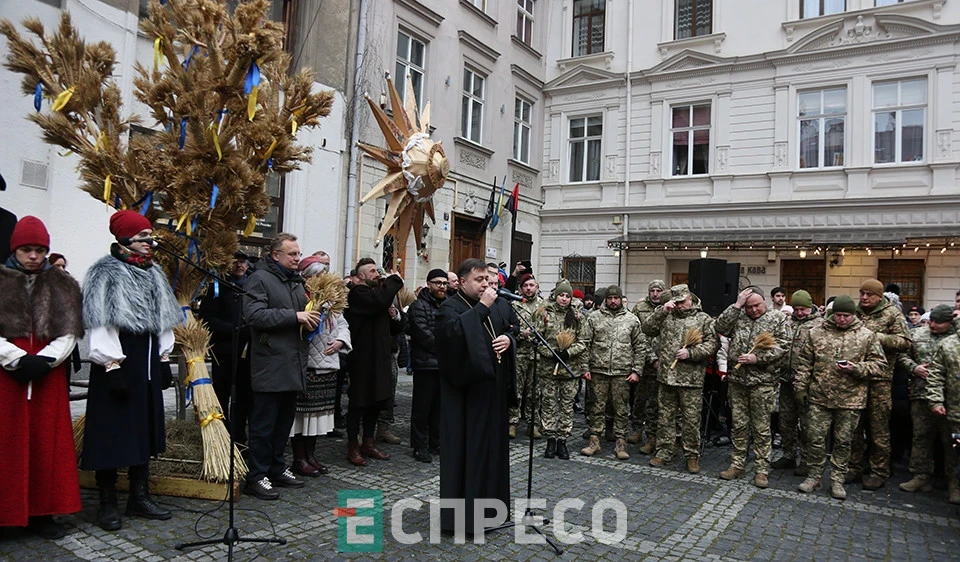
(50, 310)
(129, 298)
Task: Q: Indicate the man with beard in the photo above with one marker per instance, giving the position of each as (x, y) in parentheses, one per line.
(644, 412)
(476, 343)
(422, 327)
(527, 395)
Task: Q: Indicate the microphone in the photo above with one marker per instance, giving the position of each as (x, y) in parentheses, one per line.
(505, 294)
(126, 241)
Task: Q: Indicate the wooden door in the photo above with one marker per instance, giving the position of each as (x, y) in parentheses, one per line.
(807, 274)
(467, 240)
(521, 248)
(906, 273)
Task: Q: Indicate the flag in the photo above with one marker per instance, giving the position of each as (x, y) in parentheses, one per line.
(513, 201)
(488, 216)
(499, 209)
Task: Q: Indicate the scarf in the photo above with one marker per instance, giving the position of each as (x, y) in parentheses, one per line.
(128, 257)
(12, 263)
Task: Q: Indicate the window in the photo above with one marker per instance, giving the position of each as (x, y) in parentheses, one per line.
(694, 18)
(585, 136)
(898, 116)
(814, 8)
(479, 4)
(807, 274)
(906, 273)
(887, 2)
(822, 114)
(588, 26)
(581, 272)
(690, 131)
(471, 118)
(410, 60)
(521, 130)
(525, 21)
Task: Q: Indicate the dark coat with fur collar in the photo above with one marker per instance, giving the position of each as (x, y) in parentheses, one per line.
(50, 311)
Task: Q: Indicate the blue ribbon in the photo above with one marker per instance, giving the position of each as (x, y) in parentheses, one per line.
(318, 329)
(184, 309)
(163, 2)
(270, 163)
(193, 50)
(192, 247)
(253, 78)
(38, 96)
(188, 393)
(213, 196)
(216, 289)
(183, 133)
(116, 202)
(147, 202)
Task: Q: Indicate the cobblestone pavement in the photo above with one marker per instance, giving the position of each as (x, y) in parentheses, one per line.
(672, 515)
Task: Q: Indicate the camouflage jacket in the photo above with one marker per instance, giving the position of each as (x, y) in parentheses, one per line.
(742, 331)
(816, 364)
(643, 310)
(528, 310)
(888, 323)
(614, 344)
(669, 329)
(797, 330)
(924, 346)
(550, 323)
(943, 382)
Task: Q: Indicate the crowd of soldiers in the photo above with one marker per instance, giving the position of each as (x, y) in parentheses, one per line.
(826, 370)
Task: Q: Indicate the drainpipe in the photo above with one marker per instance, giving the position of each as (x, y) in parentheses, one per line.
(628, 145)
(358, 101)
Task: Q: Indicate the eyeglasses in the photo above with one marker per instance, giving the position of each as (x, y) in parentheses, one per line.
(438, 283)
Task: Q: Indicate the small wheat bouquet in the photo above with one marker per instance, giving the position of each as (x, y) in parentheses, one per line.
(565, 339)
(406, 297)
(693, 337)
(764, 340)
(328, 294)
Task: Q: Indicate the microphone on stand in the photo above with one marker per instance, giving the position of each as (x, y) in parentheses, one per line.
(503, 293)
(127, 240)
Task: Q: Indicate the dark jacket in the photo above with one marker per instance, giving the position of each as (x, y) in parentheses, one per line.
(421, 326)
(278, 361)
(219, 312)
(373, 334)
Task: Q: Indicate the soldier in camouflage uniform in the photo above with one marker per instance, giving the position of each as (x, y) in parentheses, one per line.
(526, 395)
(557, 388)
(832, 372)
(644, 413)
(753, 382)
(927, 426)
(804, 317)
(680, 373)
(599, 298)
(884, 319)
(615, 350)
(943, 395)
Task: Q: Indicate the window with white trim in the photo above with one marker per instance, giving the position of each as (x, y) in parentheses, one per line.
(586, 136)
(899, 113)
(815, 8)
(588, 26)
(479, 4)
(821, 115)
(694, 18)
(411, 57)
(525, 21)
(521, 130)
(690, 138)
(471, 117)
(887, 2)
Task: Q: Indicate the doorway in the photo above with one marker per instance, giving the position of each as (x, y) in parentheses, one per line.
(467, 240)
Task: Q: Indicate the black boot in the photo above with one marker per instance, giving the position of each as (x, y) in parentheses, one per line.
(140, 504)
(562, 452)
(108, 517)
(551, 448)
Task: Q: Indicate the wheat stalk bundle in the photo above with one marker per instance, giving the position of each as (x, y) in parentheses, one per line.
(78, 427)
(328, 294)
(406, 297)
(565, 339)
(693, 337)
(764, 340)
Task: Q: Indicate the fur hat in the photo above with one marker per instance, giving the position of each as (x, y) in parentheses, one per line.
(844, 303)
(801, 298)
(128, 223)
(29, 231)
(872, 286)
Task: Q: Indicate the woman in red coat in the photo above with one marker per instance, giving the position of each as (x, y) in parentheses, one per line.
(39, 327)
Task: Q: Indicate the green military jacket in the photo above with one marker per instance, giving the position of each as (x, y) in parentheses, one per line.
(742, 331)
(797, 331)
(816, 364)
(943, 382)
(891, 328)
(669, 329)
(924, 346)
(550, 322)
(643, 310)
(528, 310)
(613, 342)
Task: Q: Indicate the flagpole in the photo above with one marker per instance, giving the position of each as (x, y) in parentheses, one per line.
(513, 233)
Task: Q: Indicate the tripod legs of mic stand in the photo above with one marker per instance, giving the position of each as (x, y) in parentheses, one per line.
(527, 521)
(230, 538)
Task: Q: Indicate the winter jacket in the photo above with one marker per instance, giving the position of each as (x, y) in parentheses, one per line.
(943, 382)
(797, 330)
(614, 342)
(669, 329)
(550, 322)
(924, 346)
(334, 329)
(643, 310)
(422, 328)
(888, 323)
(743, 331)
(527, 310)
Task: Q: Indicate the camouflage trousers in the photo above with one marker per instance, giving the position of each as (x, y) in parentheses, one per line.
(687, 403)
(644, 413)
(613, 390)
(875, 424)
(556, 405)
(527, 397)
(792, 417)
(927, 428)
(819, 419)
(588, 399)
(750, 409)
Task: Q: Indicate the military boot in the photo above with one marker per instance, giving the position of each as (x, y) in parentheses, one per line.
(693, 465)
(562, 452)
(593, 448)
(512, 431)
(649, 447)
(837, 490)
(551, 451)
(108, 517)
(621, 449)
(873, 482)
(732, 473)
(809, 485)
(140, 504)
(384, 435)
(761, 481)
(635, 437)
(536, 433)
(919, 483)
(853, 476)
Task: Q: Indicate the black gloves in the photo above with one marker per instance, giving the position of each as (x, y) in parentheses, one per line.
(166, 375)
(564, 355)
(32, 367)
(117, 384)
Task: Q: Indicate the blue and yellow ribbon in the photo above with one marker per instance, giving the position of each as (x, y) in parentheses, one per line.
(183, 133)
(250, 86)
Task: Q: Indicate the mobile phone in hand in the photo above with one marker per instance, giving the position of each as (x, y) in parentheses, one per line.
(843, 363)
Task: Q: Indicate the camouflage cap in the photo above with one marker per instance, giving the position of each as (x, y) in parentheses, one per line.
(679, 293)
(614, 291)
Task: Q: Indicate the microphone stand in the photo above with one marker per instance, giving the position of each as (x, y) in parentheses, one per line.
(527, 520)
(232, 535)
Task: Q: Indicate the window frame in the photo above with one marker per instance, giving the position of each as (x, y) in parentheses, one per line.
(519, 125)
(821, 119)
(588, 287)
(821, 11)
(522, 16)
(898, 110)
(479, 4)
(602, 13)
(586, 139)
(877, 3)
(466, 120)
(693, 20)
(408, 65)
(690, 129)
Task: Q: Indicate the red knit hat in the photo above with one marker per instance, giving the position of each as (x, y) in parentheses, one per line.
(128, 223)
(29, 231)
(577, 294)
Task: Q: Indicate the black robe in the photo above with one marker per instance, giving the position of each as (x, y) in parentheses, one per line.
(475, 395)
(372, 333)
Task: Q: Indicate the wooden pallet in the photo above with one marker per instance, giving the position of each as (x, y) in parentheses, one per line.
(170, 486)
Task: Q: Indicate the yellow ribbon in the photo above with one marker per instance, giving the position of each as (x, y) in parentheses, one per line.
(307, 308)
(194, 360)
(183, 217)
(252, 103)
(293, 122)
(101, 141)
(62, 98)
(216, 142)
(189, 228)
(210, 417)
(107, 187)
(251, 225)
(156, 53)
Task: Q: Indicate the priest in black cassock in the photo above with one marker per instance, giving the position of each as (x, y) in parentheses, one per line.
(476, 349)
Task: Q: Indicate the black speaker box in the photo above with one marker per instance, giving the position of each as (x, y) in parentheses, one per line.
(716, 282)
